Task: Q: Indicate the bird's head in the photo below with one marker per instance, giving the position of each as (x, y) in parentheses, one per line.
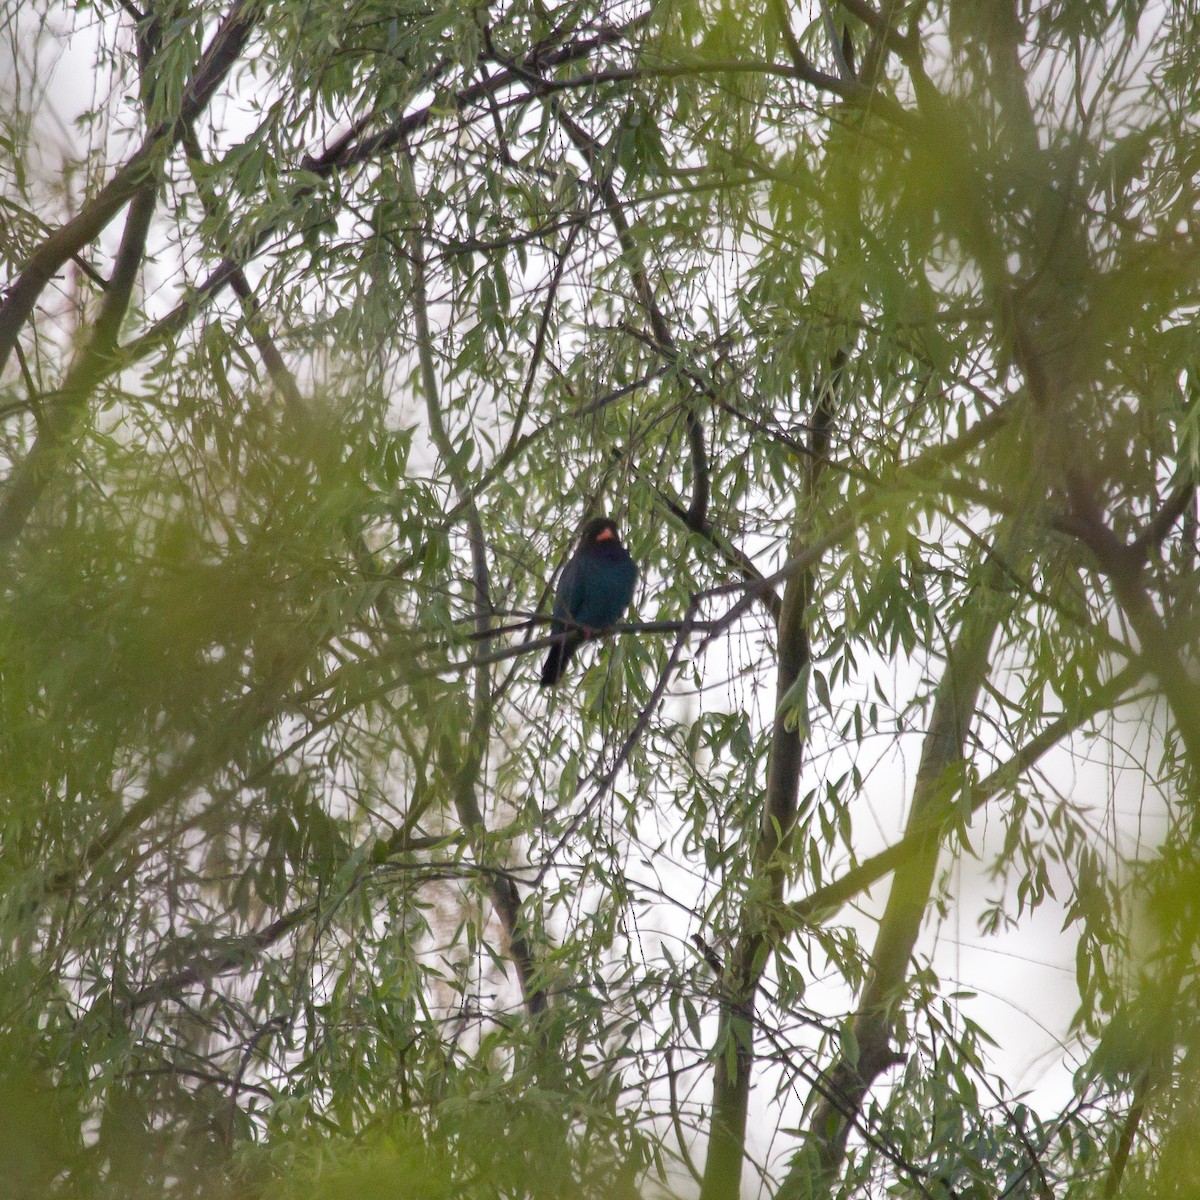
(600, 531)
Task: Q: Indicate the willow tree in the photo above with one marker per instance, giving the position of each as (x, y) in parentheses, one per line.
(325, 327)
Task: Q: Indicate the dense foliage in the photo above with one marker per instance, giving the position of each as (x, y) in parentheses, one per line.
(325, 326)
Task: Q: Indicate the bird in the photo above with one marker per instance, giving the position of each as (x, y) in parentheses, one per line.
(595, 589)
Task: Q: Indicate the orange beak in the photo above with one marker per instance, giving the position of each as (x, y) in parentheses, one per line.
(605, 535)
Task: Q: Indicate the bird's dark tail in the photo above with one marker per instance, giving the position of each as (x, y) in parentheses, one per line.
(557, 659)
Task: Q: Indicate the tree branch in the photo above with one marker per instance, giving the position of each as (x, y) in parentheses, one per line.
(1129, 1128)
(505, 898)
(938, 775)
(145, 165)
(352, 149)
(235, 955)
(822, 904)
(1123, 564)
(777, 818)
(29, 478)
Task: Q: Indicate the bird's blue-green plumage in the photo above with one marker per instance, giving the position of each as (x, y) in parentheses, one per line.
(594, 591)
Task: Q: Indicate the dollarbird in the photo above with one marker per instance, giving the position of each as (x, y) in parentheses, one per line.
(595, 589)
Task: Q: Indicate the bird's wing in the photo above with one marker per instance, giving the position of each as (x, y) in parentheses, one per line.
(629, 575)
(570, 589)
